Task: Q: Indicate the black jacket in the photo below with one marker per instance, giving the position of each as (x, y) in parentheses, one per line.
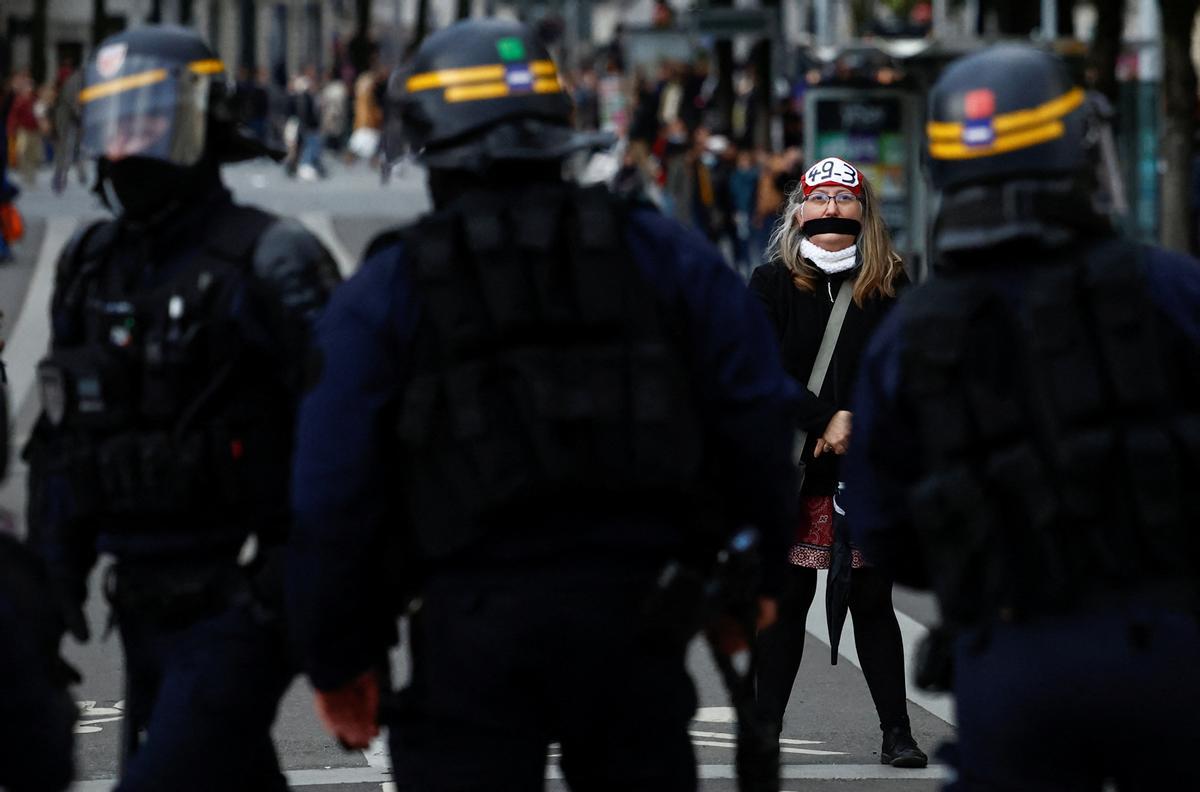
(799, 318)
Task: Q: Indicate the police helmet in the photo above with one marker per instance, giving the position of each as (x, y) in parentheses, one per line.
(160, 92)
(481, 91)
(1008, 111)
(1018, 150)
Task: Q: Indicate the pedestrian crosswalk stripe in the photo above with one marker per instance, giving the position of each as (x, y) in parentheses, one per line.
(339, 776)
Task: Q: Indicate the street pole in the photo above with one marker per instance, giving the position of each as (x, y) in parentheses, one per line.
(939, 19)
(824, 23)
(248, 35)
(38, 40)
(1050, 19)
(972, 18)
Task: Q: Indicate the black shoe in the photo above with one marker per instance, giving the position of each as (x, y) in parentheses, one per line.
(900, 749)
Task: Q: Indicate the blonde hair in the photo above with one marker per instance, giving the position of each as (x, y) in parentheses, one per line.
(881, 264)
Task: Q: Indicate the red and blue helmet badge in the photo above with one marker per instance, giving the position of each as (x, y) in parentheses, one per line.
(979, 111)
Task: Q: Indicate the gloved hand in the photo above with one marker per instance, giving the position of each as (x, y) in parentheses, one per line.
(351, 713)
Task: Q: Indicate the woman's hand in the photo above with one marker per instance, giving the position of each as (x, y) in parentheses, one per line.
(836, 437)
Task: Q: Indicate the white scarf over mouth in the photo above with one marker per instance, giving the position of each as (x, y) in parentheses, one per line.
(829, 262)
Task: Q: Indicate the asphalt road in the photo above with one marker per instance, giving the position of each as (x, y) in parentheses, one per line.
(831, 737)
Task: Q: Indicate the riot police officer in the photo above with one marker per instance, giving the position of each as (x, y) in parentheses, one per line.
(1028, 446)
(168, 399)
(38, 713)
(520, 397)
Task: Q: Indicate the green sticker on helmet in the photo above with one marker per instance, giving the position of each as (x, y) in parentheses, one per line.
(511, 49)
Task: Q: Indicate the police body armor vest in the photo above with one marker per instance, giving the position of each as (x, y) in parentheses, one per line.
(546, 378)
(1061, 435)
(158, 412)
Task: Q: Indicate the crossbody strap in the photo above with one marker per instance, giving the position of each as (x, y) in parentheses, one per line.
(833, 329)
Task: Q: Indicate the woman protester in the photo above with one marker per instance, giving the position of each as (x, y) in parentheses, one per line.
(831, 238)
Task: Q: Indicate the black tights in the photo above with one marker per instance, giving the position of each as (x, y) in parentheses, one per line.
(876, 633)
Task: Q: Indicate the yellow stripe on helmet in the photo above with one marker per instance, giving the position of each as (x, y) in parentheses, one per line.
(1003, 123)
(497, 90)
(211, 66)
(120, 84)
(471, 93)
(142, 79)
(957, 150)
(446, 78)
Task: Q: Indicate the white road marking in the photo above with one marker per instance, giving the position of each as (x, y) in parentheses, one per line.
(730, 741)
(377, 753)
(715, 715)
(31, 335)
(824, 772)
(88, 709)
(321, 224)
(912, 632)
(90, 727)
(726, 736)
(94, 714)
(377, 756)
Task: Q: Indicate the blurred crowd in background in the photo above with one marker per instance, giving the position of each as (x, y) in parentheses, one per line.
(714, 179)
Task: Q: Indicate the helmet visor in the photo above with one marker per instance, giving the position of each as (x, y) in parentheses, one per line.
(150, 109)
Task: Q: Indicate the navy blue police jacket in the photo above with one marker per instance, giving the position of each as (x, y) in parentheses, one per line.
(291, 276)
(885, 454)
(344, 496)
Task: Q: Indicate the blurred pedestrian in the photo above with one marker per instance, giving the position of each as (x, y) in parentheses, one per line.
(275, 95)
(368, 116)
(304, 108)
(11, 224)
(1027, 445)
(252, 104)
(66, 127)
(832, 278)
(25, 130)
(333, 102)
(585, 95)
(743, 184)
(778, 175)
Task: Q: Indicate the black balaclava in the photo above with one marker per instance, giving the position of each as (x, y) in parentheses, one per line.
(446, 185)
(143, 190)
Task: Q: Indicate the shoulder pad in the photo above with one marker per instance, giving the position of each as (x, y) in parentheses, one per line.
(238, 230)
(292, 260)
(87, 242)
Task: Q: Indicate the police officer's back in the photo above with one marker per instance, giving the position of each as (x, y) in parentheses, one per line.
(519, 397)
(1028, 445)
(167, 406)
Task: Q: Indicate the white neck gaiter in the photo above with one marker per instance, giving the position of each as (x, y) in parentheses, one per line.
(828, 262)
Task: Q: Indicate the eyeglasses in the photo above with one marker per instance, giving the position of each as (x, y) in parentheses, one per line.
(843, 199)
